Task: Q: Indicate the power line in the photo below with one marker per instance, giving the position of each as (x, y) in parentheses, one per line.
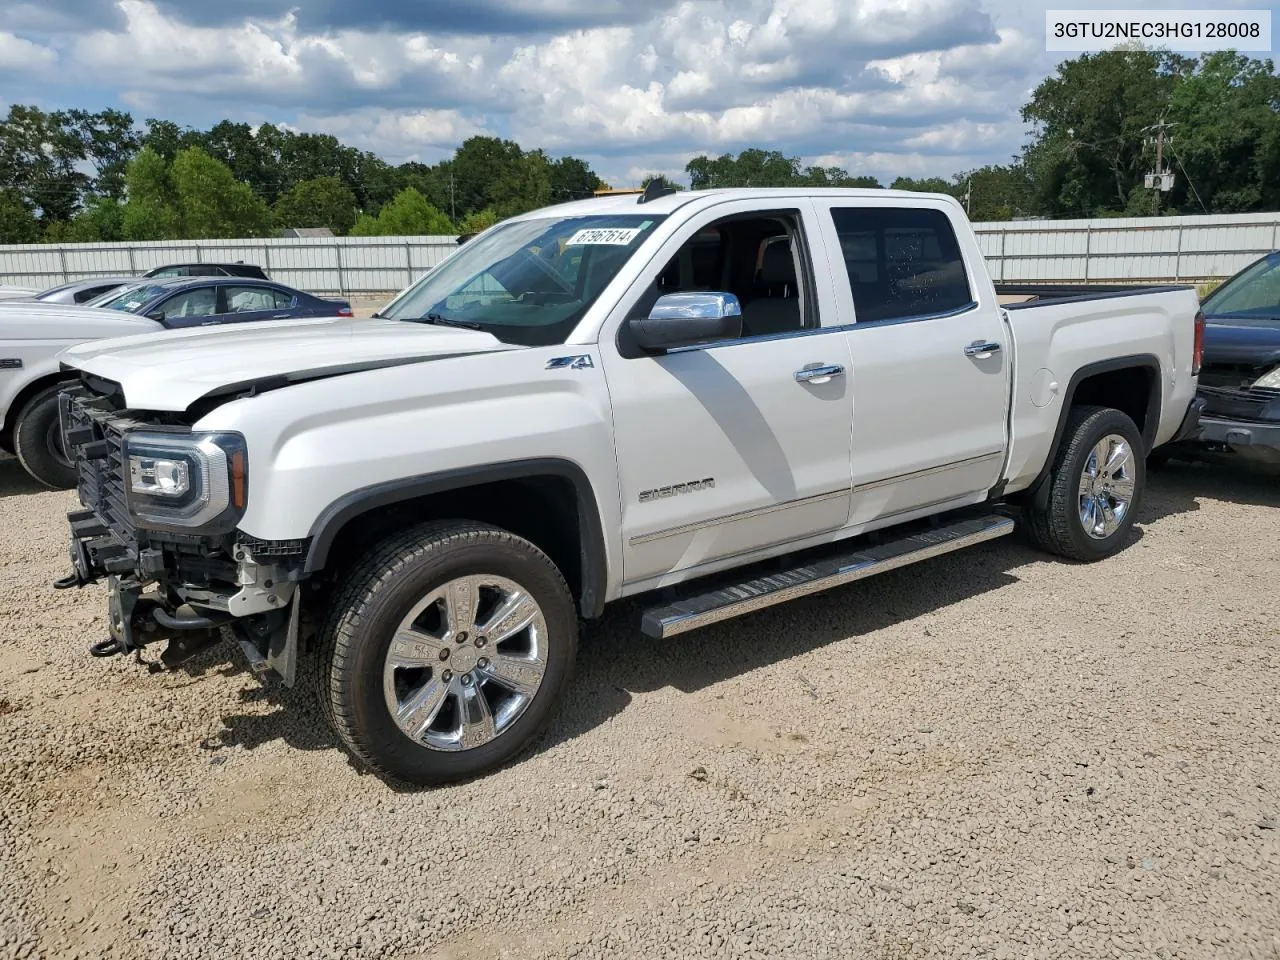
(1190, 182)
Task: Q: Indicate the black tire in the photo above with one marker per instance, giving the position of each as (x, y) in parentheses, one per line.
(380, 592)
(37, 441)
(1058, 527)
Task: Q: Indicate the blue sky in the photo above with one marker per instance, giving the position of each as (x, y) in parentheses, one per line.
(886, 87)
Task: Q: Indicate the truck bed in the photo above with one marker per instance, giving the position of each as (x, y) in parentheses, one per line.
(1014, 296)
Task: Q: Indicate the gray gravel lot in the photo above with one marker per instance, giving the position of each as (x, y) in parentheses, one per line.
(990, 755)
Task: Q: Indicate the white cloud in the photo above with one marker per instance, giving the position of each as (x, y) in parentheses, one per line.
(406, 134)
(18, 54)
(886, 84)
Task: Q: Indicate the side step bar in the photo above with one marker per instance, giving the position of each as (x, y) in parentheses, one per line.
(723, 603)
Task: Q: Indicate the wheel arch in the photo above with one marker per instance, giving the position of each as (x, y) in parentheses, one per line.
(492, 493)
(1098, 384)
(23, 397)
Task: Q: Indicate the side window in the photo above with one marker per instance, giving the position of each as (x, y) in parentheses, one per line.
(902, 262)
(201, 302)
(756, 258)
(166, 272)
(281, 300)
(92, 293)
(249, 299)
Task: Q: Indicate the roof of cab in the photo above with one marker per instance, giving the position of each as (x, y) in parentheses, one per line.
(629, 203)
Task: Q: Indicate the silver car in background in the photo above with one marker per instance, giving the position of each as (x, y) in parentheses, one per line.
(82, 290)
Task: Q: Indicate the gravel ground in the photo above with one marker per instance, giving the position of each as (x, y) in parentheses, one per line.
(989, 755)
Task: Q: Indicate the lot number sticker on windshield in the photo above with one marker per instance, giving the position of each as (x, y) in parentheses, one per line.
(611, 236)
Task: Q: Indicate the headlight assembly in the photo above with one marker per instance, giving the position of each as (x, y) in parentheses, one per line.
(1269, 380)
(186, 481)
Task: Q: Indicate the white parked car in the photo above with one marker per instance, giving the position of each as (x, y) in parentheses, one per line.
(31, 337)
(704, 400)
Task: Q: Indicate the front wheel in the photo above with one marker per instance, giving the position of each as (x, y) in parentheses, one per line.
(1096, 486)
(447, 652)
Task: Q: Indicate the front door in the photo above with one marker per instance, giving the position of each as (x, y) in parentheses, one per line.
(931, 360)
(723, 451)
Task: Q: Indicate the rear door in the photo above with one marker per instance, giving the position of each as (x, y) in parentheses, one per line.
(931, 357)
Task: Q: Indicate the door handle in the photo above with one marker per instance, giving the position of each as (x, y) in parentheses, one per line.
(819, 374)
(981, 349)
(281, 316)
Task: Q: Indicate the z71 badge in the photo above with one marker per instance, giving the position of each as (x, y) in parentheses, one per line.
(661, 493)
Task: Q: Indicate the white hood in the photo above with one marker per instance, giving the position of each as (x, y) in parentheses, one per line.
(171, 370)
(49, 322)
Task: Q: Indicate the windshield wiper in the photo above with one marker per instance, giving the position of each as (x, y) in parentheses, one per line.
(444, 321)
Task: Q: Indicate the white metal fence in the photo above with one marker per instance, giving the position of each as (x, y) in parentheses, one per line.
(1178, 249)
(327, 266)
(1186, 249)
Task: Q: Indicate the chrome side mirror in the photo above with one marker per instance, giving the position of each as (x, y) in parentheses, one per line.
(687, 319)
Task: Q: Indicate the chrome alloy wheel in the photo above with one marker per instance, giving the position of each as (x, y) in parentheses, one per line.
(1107, 486)
(465, 663)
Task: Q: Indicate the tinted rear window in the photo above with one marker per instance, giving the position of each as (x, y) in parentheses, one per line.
(902, 262)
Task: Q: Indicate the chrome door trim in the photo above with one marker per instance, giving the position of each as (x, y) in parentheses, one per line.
(734, 517)
(929, 471)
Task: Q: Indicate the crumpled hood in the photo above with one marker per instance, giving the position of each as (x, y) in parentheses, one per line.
(171, 370)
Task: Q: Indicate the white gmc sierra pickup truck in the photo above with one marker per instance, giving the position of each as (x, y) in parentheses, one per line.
(718, 400)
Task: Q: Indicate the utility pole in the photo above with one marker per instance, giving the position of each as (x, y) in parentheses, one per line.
(968, 193)
(453, 203)
(1161, 180)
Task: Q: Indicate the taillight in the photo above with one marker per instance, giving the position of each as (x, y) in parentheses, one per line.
(1197, 351)
(345, 312)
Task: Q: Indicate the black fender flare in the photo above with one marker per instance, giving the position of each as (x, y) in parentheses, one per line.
(1039, 488)
(591, 532)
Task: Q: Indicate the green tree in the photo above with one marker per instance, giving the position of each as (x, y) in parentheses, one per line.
(319, 202)
(151, 212)
(108, 140)
(572, 179)
(166, 138)
(1092, 120)
(17, 223)
(212, 203)
(478, 221)
(923, 185)
(996, 192)
(408, 214)
(1224, 119)
(526, 185)
(101, 221)
(39, 160)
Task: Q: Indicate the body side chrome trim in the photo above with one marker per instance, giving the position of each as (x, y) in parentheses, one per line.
(929, 471)
(734, 517)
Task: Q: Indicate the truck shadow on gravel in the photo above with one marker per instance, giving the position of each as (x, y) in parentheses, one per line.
(616, 661)
(16, 482)
(1179, 486)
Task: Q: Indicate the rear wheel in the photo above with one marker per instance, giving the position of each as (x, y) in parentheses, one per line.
(37, 441)
(1096, 486)
(447, 652)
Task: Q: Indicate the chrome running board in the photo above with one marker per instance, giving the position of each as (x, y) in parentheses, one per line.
(724, 602)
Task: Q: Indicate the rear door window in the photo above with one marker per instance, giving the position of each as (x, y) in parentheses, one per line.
(190, 306)
(902, 262)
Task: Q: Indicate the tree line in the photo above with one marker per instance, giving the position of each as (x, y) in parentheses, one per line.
(1094, 127)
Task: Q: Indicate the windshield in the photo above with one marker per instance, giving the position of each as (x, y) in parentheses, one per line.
(528, 282)
(1253, 293)
(129, 299)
